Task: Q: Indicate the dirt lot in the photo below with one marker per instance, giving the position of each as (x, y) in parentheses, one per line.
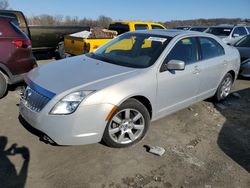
(207, 145)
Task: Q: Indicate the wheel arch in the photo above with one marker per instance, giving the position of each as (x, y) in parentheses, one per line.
(145, 102)
(233, 74)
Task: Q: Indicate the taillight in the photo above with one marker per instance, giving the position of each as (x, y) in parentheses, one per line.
(22, 43)
(86, 47)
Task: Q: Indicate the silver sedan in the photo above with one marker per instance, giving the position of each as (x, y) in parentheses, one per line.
(114, 93)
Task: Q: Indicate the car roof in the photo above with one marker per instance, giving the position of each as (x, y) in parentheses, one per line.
(171, 32)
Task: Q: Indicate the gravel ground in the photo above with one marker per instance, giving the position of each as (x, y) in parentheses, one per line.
(207, 145)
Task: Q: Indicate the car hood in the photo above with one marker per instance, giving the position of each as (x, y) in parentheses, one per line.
(60, 76)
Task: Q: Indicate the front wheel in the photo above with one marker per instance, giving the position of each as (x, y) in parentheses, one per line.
(128, 124)
(224, 88)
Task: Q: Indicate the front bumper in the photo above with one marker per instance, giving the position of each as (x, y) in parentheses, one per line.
(85, 126)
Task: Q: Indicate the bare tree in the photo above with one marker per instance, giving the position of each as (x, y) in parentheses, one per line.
(4, 4)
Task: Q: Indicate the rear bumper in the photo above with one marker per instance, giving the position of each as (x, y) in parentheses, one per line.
(29, 65)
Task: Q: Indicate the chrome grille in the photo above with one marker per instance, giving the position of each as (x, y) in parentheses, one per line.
(34, 100)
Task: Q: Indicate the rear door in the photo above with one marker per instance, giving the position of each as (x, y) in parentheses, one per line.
(178, 89)
(212, 66)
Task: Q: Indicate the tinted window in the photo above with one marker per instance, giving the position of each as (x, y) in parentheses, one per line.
(248, 28)
(140, 27)
(185, 50)
(182, 28)
(244, 42)
(14, 20)
(120, 28)
(210, 48)
(156, 27)
(200, 29)
(132, 50)
(240, 31)
(220, 31)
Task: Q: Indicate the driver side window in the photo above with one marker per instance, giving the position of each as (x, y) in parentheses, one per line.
(184, 50)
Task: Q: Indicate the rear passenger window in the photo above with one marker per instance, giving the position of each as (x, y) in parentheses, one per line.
(156, 27)
(210, 48)
(185, 50)
(141, 26)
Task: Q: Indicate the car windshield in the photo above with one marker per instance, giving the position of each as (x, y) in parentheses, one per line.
(220, 31)
(244, 42)
(132, 50)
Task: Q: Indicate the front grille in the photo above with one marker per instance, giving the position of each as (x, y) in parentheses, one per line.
(34, 100)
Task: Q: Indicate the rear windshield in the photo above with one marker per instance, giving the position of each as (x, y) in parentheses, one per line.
(220, 31)
(132, 50)
(17, 30)
(157, 27)
(120, 28)
(14, 20)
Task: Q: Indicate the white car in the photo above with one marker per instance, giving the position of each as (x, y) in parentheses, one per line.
(228, 33)
(138, 77)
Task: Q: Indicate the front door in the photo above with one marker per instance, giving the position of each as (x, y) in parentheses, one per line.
(178, 89)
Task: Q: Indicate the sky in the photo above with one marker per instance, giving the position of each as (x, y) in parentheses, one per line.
(139, 10)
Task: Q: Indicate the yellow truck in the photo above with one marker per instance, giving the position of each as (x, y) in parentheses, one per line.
(76, 45)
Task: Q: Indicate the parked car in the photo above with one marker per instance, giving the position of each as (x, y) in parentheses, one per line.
(77, 46)
(192, 28)
(229, 33)
(243, 45)
(43, 38)
(138, 77)
(16, 57)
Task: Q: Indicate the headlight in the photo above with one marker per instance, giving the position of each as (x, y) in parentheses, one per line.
(69, 103)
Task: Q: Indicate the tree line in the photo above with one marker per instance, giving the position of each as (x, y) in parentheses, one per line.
(104, 21)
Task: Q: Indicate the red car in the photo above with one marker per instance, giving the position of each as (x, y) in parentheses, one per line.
(16, 57)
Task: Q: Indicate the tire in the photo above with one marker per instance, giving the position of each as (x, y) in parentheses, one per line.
(60, 53)
(3, 84)
(128, 125)
(224, 88)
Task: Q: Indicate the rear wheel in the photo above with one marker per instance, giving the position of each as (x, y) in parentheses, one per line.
(224, 88)
(128, 125)
(3, 84)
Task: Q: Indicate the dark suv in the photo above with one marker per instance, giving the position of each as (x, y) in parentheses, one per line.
(16, 57)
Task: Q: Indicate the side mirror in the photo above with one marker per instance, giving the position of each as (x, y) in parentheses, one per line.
(173, 65)
(236, 35)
